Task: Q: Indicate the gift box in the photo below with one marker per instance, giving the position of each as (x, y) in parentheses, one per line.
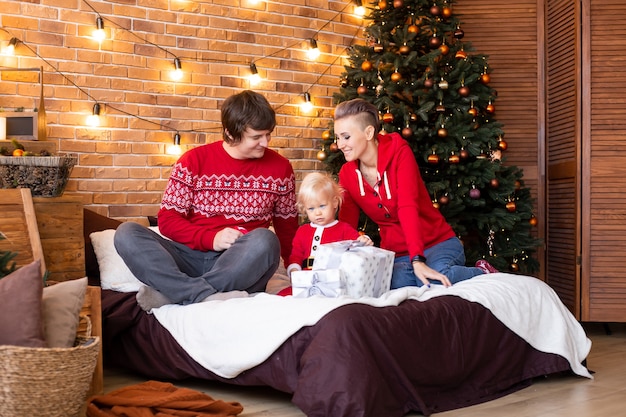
(329, 283)
(367, 269)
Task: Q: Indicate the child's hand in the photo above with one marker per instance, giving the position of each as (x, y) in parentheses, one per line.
(365, 240)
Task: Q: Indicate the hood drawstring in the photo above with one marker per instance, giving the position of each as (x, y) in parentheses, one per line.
(360, 176)
(386, 181)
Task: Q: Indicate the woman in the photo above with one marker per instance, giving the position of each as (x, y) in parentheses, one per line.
(381, 177)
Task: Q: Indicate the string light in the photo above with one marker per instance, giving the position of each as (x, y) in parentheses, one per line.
(306, 105)
(93, 119)
(254, 76)
(10, 48)
(174, 149)
(313, 52)
(177, 72)
(98, 33)
(359, 9)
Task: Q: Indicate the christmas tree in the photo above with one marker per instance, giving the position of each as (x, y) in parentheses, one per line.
(6, 264)
(431, 88)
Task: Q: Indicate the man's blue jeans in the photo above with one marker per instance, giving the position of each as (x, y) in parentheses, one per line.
(447, 257)
(186, 276)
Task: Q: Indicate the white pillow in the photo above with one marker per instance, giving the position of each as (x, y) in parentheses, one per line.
(114, 274)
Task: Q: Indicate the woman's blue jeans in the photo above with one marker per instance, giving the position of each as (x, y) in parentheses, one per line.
(186, 276)
(447, 257)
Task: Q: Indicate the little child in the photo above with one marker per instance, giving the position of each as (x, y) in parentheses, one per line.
(319, 198)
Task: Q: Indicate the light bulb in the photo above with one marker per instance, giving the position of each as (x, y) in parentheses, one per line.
(254, 76)
(98, 33)
(306, 106)
(174, 149)
(10, 48)
(177, 72)
(313, 52)
(359, 10)
(93, 119)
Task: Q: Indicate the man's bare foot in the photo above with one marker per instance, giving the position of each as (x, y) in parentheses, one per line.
(149, 298)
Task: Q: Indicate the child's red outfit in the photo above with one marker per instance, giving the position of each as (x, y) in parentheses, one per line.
(309, 236)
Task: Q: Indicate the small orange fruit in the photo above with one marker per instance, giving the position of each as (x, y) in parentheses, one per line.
(18, 152)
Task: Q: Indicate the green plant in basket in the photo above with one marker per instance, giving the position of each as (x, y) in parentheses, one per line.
(6, 264)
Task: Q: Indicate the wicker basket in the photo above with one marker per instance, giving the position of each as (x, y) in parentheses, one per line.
(46, 176)
(46, 381)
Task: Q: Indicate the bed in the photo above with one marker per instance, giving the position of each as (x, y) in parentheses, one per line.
(415, 350)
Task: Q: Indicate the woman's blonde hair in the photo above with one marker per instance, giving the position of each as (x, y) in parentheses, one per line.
(316, 185)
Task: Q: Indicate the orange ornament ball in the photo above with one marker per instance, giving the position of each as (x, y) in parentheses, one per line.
(396, 76)
(473, 111)
(361, 90)
(514, 267)
(366, 65)
(460, 54)
(398, 3)
(454, 159)
(446, 12)
(333, 147)
(464, 91)
(404, 49)
(485, 78)
(433, 158)
(414, 29)
(382, 5)
(326, 134)
(442, 132)
(388, 118)
(490, 108)
(502, 145)
(435, 10)
(533, 221)
(444, 199)
(321, 155)
(444, 49)
(428, 83)
(407, 132)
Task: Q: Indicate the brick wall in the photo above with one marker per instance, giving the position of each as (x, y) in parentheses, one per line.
(123, 165)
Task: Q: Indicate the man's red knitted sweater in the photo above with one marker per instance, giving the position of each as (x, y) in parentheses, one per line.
(208, 190)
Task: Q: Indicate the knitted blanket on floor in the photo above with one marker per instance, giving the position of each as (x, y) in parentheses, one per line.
(159, 399)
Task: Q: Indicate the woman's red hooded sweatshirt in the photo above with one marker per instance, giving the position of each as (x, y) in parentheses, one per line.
(399, 203)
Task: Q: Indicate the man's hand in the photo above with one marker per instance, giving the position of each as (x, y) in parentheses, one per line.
(225, 238)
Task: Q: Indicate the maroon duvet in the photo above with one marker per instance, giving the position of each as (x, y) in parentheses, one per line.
(358, 360)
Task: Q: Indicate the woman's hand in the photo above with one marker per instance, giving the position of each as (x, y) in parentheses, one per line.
(423, 272)
(225, 238)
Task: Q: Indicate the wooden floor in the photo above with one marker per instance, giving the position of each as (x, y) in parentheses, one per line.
(568, 396)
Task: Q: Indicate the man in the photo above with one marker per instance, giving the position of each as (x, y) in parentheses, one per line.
(216, 209)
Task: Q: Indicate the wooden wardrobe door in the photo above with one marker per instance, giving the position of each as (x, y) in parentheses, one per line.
(563, 142)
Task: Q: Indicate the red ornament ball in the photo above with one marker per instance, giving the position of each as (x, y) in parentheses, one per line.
(494, 183)
(398, 3)
(458, 33)
(444, 199)
(407, 132)
(464, 91)
(428, 83)
(464, 153)
(361, 90)
(435, 10)
(333, 147)
(435, 42)
(474, 193)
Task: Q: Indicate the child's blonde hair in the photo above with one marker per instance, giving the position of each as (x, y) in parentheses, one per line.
(316, 185)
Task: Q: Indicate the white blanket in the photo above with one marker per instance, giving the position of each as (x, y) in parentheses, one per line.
(228, 337)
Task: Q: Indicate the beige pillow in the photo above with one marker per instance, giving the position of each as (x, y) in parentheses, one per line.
(114, 274)
(20, 307)
(62, 303)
